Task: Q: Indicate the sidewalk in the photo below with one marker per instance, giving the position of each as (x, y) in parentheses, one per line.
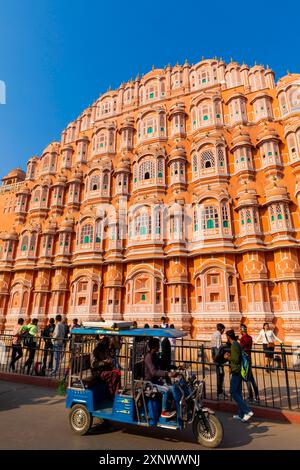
(36, 418)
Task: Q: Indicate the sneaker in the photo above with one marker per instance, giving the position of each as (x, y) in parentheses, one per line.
(237, 417)
(168, 414)
(247, 416)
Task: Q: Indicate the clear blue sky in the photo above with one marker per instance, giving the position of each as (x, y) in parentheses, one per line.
(57, 56)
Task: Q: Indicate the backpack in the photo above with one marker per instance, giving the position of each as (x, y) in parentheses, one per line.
(27, 340)
(245, 365)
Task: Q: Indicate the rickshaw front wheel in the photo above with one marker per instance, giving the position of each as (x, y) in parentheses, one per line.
(80, 419)
(208, 430)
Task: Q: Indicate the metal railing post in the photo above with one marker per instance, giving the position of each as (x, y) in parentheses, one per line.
(203, 369)
(283, 355)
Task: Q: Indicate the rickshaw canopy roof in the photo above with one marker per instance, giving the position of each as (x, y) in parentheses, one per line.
(149, 332)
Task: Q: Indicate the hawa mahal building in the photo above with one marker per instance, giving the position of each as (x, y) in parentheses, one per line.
(176, 194)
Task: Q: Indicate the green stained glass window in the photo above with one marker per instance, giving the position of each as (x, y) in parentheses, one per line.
(149, 130)
(205, 117)
(210, 223)
(270, 153)
(160, 174)
(44, 199)
(203, 80)
(151, 95)
(157, 230)
(279, 217)
(243, 222)
(143, 297)
(225, 223)
(194, 122)
(242, 159)
(135, 180)
(162, 129)
(98, 239)
(195, 227)
(218, 116)
(143, 230)
(272, 218)
(248, 221)
(86, 239)
(24, 247)
(101, 145)
(35, 199)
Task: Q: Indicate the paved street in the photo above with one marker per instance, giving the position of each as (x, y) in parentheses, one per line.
(35, 418)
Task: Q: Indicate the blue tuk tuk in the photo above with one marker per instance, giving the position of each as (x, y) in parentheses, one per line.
(138, 401)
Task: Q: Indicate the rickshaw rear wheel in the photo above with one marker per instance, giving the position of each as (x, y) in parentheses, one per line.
(80, 419)
(208, 438)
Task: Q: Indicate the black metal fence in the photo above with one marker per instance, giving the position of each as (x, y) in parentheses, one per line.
(279, 386)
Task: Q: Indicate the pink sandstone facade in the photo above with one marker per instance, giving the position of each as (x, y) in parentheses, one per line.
(176, 194)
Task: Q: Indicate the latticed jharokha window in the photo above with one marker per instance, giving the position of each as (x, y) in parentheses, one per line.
(225, 218)
(195, 163)
(94, 183)
(160, 168)
(210, 217)
(86, 235)
(146, 170)
(24, 244)
(207, 159)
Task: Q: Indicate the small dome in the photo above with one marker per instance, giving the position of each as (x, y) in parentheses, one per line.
(275, 193)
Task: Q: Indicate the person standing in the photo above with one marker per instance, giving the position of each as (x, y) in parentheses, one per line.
(165, 357)
(58, 341)
(164, 323)
(75, 324)
(17, 352)
(32, 331)
(246, 344)
(267, 338)
(173, 346)
(67, 333)
(235, 359)
(216, 344)
(48, 344)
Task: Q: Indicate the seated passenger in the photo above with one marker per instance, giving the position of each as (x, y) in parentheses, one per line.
(103, 367)
(156, 375)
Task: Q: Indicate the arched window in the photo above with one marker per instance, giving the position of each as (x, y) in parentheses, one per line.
(294, 98)
(86, 235)
(292, 146)
(105, 180)
(24, 244)
(146, 170)
(94, 183)
(196, 223)
(283, 104)
(157, 222)
(210, 217)
(279, 212)
(225, 218)
(221, 157)
(195, 163)
(160, 168)
(36, 195)
(207, 159)
(205, 114)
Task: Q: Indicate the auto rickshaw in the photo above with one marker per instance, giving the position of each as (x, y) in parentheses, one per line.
(137, 401)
